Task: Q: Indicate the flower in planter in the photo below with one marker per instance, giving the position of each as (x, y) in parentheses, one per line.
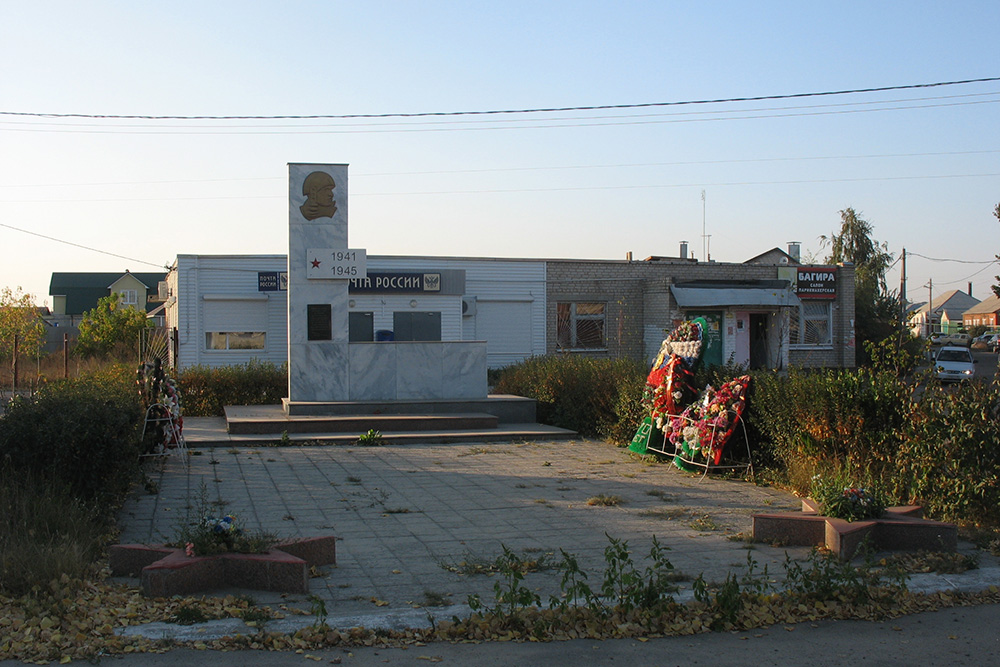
(841, 500)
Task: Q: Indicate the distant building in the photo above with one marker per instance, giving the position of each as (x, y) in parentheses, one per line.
(985, 313)
(945, 313)
(73, 294)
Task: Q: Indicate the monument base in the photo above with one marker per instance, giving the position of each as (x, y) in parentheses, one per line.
(899, 529)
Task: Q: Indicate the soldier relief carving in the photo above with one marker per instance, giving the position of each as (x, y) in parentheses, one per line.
(318, 189)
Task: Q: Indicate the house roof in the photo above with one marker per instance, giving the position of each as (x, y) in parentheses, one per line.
(82, 290)
(774, 256)
(952, 303)
(990, 304)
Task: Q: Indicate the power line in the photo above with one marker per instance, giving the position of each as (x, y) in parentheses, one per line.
(423, 114)
(554, 123)
(562, 119)
(77, 245)
(958, 261)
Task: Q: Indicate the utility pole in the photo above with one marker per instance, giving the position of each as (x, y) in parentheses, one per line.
(704, 231)
(902, 288)
(930, 310)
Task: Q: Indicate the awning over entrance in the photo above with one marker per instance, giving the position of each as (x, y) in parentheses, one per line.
(743, 293)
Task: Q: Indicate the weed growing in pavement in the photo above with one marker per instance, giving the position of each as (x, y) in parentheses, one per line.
(435, 599)
(623, 588)
(255, 616)
(189, 616)
(511, 596)
(603, 500)
(706, 522)
(372, 438)
(668, 514)
(317, 607)
(826, 577)
(931, 561)
(662, 495)
(530, 560)
(725, 601)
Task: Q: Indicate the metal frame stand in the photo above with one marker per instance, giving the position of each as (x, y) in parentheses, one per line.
(173, 438)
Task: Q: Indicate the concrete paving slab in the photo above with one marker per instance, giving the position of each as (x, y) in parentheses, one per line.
(407, 517)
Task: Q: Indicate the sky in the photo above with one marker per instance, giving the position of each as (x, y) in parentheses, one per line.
(922, 165)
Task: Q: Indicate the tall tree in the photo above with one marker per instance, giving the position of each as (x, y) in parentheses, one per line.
(108, 324)
(875, 308)
(19, 318)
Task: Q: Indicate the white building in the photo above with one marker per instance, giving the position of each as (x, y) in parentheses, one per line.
(231, 309)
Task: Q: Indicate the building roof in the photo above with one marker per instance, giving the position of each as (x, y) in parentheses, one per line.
(950, 305)
(774, 256)
(990, 304)
(82, 290)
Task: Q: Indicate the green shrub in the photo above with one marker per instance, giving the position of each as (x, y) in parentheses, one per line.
(79, 434)
(594, 397)
(830, 421)
(950, 461)
(45, 533)
(206, 391)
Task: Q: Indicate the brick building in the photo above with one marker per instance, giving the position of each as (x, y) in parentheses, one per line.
(769, 312)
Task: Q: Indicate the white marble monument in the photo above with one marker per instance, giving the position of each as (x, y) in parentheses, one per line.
(323, 366)
(318, 358)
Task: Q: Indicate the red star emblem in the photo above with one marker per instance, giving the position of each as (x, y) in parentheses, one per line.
(315, 263)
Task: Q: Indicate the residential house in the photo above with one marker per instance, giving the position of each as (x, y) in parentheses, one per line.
(945, 313)
(73, 294)
(985, 313)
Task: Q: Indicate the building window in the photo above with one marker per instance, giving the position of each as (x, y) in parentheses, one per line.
(416, 326)
(234, 340)
(129, 297)
(580, 326)
(813, 324)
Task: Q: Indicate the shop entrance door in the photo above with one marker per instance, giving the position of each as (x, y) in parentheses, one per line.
(759, 352)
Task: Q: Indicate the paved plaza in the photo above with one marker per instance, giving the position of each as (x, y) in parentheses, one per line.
(409, 516)
(403, 513)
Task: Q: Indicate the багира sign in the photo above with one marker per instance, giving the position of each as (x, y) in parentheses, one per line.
(816, 282)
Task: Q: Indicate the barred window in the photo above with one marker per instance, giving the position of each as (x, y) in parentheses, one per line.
(813, 324)
(580, 326)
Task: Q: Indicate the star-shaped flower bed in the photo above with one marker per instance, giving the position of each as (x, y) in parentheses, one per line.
(167, 571)
(901, 528)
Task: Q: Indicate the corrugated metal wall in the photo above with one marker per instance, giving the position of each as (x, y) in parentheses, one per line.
(510, 302)
(509, 314)
(216, 277)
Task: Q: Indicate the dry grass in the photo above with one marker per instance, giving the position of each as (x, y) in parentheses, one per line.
(44, 534)
(603, 500)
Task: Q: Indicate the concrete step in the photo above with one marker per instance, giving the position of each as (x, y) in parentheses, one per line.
(509, 409)
(202, 432)
(245, 420)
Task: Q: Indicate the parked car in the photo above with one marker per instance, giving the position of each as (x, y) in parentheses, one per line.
(988, 341)
(954, 363)
(951, 339)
